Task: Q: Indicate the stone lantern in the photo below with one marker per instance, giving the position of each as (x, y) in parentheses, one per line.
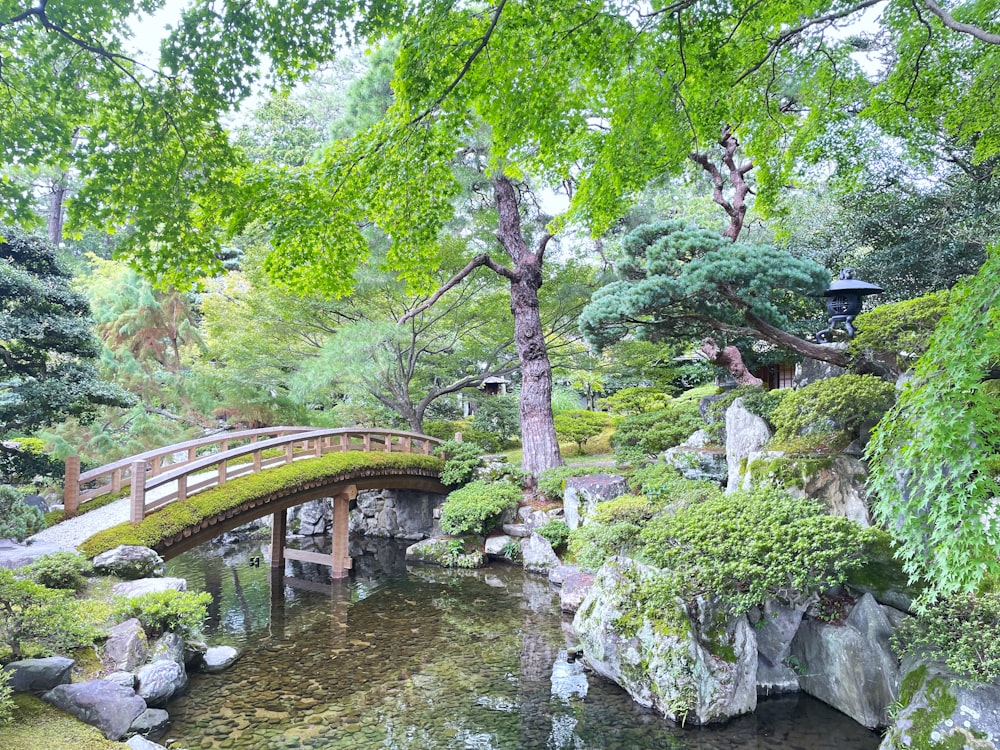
(843, 301)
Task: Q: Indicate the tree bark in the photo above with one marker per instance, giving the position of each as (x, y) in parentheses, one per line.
(730, 358)
(538, 435)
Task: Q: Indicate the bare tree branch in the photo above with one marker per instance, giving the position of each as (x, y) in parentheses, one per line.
(479, 261)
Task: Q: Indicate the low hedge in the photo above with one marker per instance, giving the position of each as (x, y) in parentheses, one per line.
(179, 515)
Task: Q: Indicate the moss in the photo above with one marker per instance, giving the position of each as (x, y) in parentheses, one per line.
(39, 726)
(172, 519)
(924, 727)
(788, 472)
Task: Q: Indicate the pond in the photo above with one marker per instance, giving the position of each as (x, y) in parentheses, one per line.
(420, 657)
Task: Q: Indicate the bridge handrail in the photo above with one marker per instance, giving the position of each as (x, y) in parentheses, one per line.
(118, 472)
(298, 443)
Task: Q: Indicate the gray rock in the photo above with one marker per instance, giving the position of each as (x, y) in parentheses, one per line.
(130, 562)
(220, 658)
(141, 743)
(776, 626)
(109, 707)
(558, 574)
(709, 464)
(160, 680)
(836, 481)
(132, 589)
(574, 590)
(702, 671)
(582, 494)
(519, 530)
(397, 514)
(126, 647)
(38, 675)
(439, 551)
(151, 724)
(497, 546)
(537, 554)
(810, 370)
(851, 666)
(945, 711)
(125, 679)
(169, 646)
(315, 517)
(746, 433)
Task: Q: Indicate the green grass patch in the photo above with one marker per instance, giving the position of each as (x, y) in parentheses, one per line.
(38, 726)
(179, 515)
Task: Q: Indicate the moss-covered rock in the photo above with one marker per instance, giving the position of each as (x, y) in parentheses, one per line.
(449, 552)
(939, 712)
(692, 663)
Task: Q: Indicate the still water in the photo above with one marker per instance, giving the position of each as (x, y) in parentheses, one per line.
(420, 658)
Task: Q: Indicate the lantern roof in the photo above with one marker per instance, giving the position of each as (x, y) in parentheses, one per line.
(847, 284)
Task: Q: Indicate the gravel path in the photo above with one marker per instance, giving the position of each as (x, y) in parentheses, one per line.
(72, 532)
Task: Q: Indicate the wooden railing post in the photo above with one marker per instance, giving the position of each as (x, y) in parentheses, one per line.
(71, 486)
(138, 497)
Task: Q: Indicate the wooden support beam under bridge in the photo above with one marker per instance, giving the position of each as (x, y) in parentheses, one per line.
(339, 560)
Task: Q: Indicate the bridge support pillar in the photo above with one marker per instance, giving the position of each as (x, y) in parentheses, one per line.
(341, 560)
(279, 524)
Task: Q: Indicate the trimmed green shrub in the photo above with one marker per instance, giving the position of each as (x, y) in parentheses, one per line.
(37, 620)
(899, 332)
(555, 531)
(663, 484)
(61, 570)
(444, 429)
(612, 529)
(477, 507)
(828, 414)
(644, 435)
(579, 425)
(23, 459)
(635, 400)
(752, 546)
(963, 630)
(552, 482)
(17, 520)
(174, 518)
(461, 459)
(182, 612)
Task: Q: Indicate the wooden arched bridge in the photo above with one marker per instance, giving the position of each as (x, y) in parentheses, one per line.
(159, 477)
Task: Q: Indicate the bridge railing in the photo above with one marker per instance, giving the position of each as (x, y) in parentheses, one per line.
(158, 477)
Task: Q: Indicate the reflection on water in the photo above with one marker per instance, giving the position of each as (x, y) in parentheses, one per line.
(429, 658)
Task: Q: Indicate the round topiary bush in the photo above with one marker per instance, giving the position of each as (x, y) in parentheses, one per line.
(477, 507)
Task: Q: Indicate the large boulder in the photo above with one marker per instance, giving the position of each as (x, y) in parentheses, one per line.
(537, 554)
(137, 742)
(941, 710)
(696, 458)
(582, 494)
(810, 370)
(151, 724)
(130, 561)
(169, 646)
(109, 707)
(37, 675)
(776, 625)
(693, 664)
(850, 666)
(746, 433)
(126, 647)
(159, 680)
(837, 481)
(574, 589)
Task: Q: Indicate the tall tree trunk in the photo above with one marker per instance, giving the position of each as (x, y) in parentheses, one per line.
(538, 433)
(56, 213)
